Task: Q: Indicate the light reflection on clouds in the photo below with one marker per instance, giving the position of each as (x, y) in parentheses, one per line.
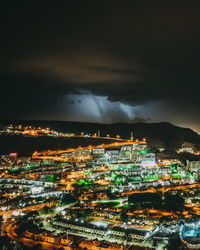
(94, 108)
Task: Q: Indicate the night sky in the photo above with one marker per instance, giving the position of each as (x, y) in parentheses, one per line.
(101, 61)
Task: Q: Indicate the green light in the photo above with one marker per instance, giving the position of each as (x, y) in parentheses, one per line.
(81, 181)
(176, 176)
(14, 169)
(144, 151)
(51, 178)
(173, 167)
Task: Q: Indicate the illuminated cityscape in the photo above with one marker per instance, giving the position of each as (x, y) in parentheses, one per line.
(115, 195)
(99, 125)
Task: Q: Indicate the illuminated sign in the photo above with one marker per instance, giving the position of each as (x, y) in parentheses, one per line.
(13, 154)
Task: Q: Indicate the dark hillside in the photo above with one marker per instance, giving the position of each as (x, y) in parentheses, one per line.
(157, 134)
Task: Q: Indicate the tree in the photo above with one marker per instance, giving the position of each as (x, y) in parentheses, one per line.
(17, 245)
(174, 243)
(145, 200)
(75, 243)
(67, 199)
(37, 247)
(174, 203)
(124, 216)
(7, 245)
(45, 209)
(164, 219)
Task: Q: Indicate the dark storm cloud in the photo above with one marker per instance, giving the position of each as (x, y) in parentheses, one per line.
(132, 52)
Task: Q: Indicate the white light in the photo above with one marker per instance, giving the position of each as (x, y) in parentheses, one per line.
(36, 190)
(15, 213)
(59, 209)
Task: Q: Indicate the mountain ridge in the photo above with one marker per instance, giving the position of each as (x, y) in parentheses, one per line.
(162, 134)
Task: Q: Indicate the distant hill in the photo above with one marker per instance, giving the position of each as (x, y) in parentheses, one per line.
(157, 134)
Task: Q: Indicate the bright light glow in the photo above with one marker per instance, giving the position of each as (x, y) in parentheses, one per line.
(13, 154)
(36, 190)
(89, 107)
(16, 213)
(59, 209)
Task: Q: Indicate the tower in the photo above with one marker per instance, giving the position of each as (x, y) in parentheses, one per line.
(132, 136)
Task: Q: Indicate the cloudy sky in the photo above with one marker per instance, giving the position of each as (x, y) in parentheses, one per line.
(101, 61)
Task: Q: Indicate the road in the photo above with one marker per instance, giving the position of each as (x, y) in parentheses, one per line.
(163, 189)
(25, 209)
(54, 153)
(9, 228)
